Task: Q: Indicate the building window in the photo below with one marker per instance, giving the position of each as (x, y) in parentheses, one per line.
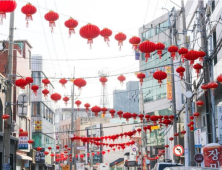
(36, 109)
(161, 27)
(204, 121)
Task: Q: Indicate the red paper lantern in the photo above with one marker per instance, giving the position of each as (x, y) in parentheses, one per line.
(219, 78)
(212, 85)
(196, 114)
(139, 130)
(182, 51)
(134, 41)
(112, 112)
(38, 148)
(96, 110)
(52, 154)
(120, 113)
(56, 97)
(103, 152)
(79, 82)
(21, 83)
(171, 138)
(77, 156)
(29, 80)
(81, 156)
(63, 82)
(49, 148)
(45, 82)
(20, 130)
(141, 116)
(57, 147)
(103, 80)
(166, 117)
(180, 70)
(166, 146)
(191, 118)
(87, 105)
(6, 6)
(89, 32)
(147, 117)
(65, 99)
(192, 55)
(199, 103)
(45, 92)
(104, 109)
(176, 134)
(121, 78)
(106, 33)
(154, 118)
(120, 37)
(5, 117)
(197, 67)
(71, 24)
(159, 47)
(30, 141)
(88, 154)
(141, 76)
(173, 49)
(191, 128)
(166, 122)
(127, 115)
(171, 117)
(28, 10)
(34, 89)
(202, 54)
(93, 154)
(46, 153)
(159, 75)
(78, 103)
(204, 87)
(147, 47)
(51, 16)
(183, 132)
(134, 115)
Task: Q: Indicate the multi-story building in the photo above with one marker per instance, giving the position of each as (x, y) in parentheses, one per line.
(127, 100)
(21, 68)
(43, 115)
(158, 99)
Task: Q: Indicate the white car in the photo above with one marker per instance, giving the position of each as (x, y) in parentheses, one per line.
(191, 168)
(162, 165)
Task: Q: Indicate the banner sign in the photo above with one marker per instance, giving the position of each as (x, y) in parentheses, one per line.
(197, 138)
(137, 54)
(169, 84)
(23, 140)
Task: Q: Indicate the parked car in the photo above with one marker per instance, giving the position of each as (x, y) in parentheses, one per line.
(163, 165)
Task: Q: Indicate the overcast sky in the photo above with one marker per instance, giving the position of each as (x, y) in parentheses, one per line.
(125, 16)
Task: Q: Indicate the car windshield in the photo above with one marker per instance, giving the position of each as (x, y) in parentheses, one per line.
(162, 166)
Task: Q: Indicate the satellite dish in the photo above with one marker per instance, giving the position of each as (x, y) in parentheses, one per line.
(188, 94)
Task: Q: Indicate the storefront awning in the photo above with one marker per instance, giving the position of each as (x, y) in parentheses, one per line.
(23, 157)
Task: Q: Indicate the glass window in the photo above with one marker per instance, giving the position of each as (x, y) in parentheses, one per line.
(36, 109)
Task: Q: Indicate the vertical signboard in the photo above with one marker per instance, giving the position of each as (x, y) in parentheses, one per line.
(23, 140)
(219, 119)
(168, 81)
(137, 53)
(38, 125)
(40, 156)
(197, 138)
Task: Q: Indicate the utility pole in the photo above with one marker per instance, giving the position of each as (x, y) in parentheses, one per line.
(72, 121)
(188, 137)
(206, 71)
(8, 95)
(91, 157)
(172, 30)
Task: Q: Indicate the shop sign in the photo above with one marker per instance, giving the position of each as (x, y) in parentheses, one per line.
(40, 156)
(212, 155)
(23, 140)
(168, 82)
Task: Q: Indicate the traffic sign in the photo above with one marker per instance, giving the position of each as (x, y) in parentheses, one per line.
(134, 149)
(178, 150)
(198, 158)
